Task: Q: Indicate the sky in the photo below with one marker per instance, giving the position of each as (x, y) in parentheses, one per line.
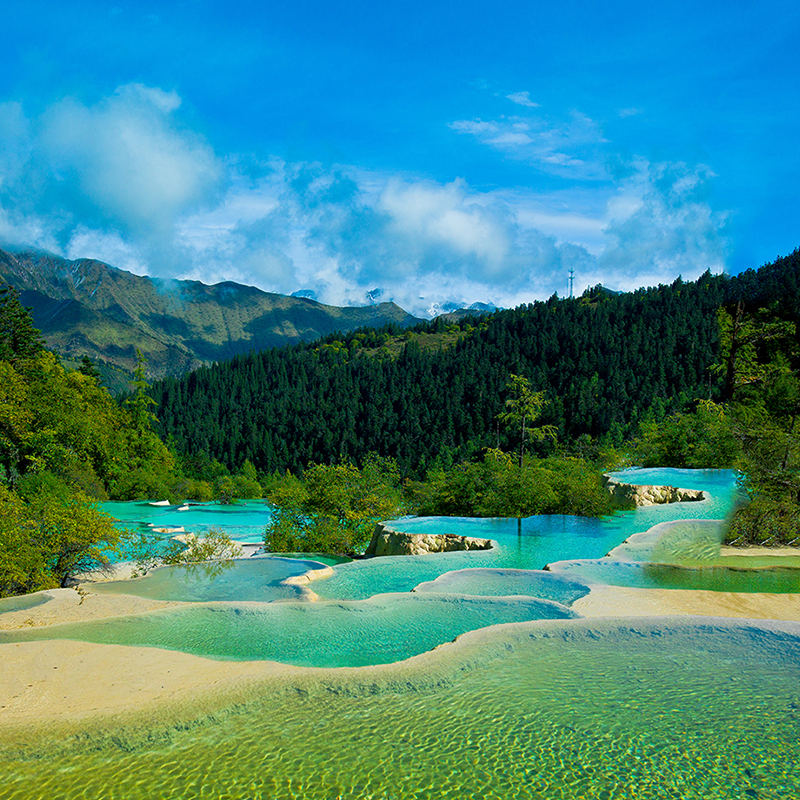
(421, 152)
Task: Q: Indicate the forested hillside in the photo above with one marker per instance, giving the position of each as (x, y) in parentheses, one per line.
(604, 361)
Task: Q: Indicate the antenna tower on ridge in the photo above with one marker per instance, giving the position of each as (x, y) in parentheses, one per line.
(571, 281)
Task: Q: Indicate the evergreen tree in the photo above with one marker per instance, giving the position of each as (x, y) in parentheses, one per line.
(523, 409)
(18, 338)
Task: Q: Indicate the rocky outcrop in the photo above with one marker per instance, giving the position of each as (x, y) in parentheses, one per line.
(387, 541)
(627, 495)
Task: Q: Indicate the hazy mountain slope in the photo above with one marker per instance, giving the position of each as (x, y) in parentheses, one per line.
(88, 307)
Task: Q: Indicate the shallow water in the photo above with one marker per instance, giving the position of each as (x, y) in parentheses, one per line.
(259, 579)
(507, 582)
(244, 521)
(777, 580)
(512, 567)
(23, 602)
(549, 710)
(394, 625)
(382, 630)
(533, 542)
(622, 711)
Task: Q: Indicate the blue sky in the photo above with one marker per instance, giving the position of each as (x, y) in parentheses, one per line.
(435, 151)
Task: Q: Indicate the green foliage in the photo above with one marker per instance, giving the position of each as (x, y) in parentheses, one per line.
(498, 486)
(767, 522)
(213, 545)
(64, 442)
(771, 460)
(18, 338)
(144, 482)
(50, 535)
(601, 365)
(87, 367)
(140, 401)
(770, 474)
(225, 490)
(602, 453)
(333, 508)
(753, 345)
(523, 409)
(704, 439)
(65, 423)
(246, 484)
(212, 553)
(23, 562)
(190, 489)
(761, 361)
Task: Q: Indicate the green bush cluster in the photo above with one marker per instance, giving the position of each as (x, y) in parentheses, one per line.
(703, 439)
(48, 534)
(498, 486)
(767, 522)
(209, 554)
(333, 508)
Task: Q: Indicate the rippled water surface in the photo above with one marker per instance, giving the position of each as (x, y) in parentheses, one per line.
(620, 712)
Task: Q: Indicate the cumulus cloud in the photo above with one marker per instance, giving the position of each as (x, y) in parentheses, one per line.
(107, 246)
(661, 225)
(125, 181)
(126, 158)
(123, 165)
(442, 217)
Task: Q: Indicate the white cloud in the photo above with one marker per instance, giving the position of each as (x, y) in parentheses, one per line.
(430, 214)
(571, 147)
(566, 227)
(522, 99)
(106, 246)
(661, 226)
(127, 159)
(477, 127)
(511, 139)
(124, 181)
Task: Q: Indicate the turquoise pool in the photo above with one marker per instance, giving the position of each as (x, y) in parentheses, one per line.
(256, 579)
(244, 521)
(381, 630)
(379, 610)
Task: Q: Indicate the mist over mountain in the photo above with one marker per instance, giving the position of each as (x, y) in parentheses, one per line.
(87, 307)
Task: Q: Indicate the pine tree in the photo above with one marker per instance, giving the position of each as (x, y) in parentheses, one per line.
(18, 338)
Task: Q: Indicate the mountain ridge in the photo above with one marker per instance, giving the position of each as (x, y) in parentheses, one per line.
(88, 307)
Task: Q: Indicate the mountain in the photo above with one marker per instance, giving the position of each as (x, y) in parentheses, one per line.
(86, 307)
